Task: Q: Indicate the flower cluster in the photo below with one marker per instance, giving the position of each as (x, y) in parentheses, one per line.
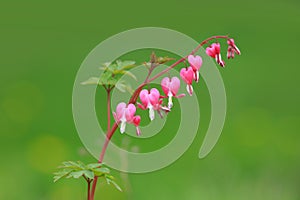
(191, 73)
(232, 49)
(126, 114)
(152, 100)
(214, 51)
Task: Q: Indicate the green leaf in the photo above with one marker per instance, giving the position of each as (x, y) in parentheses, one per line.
(112, 82)
(71, 169)
(105, 76)
(101, 171)
(116, 186)
(162, 60)
(123, 87)
(94, 165)
(89, 174)
(76, 174)
(71, 165)
(61, 174)
(126, 64)
(91, 81)
(106, 64)
(104, 170)
(97, 173)
(109, 180)
(128, 73)
(112, 74)
(113, 67)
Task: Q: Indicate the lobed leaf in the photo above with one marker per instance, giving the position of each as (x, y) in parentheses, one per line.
(126, 64)
(75, 174)
(61, 174)
(94, 165)
(71, 169)
(91, 81)
(162, 60)
(89, 174)
(109, 180)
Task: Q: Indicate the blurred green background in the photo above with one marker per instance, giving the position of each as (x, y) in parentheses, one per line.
(258, 155)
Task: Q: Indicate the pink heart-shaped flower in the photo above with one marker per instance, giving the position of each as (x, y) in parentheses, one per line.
(195, 62)
(187, 75)
(170, 85)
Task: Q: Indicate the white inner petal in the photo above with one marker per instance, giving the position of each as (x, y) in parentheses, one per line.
(151, 112)
(123, 123)
(197, 76)
(170, 102)
(123, 126)
(190, 89)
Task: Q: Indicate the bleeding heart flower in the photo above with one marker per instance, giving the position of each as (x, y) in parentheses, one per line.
(187, 76)
(214, 52)
(170, 86)
(196, 63)
(232, 49)
(150, 100)
(125, 114)
(136, 122)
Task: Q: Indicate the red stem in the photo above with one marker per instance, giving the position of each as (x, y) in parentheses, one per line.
(133, 100)
(108, 110)
(89, 189)
(107, 139)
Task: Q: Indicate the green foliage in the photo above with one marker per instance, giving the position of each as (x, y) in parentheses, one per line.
(159, 60)
(71, 169)
(112, 72)
(156, 61)
(91, 81)
(110, 180)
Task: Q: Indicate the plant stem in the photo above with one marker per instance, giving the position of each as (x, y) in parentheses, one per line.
(89, 190)
(133, 100)
(108, 110)
(107, 139)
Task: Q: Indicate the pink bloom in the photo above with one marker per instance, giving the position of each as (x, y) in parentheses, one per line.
(170, 86)
(188, 76)
(196, 63)
(214, 52)
(232, 49)
(125, 114)
(150, 100)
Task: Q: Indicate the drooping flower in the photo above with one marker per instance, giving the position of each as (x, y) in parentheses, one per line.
(232, 49)
(150, 100)
(136, 122)
(196, 63)
(187, 75)
(126, 114)
(214, 52)
(170, 86)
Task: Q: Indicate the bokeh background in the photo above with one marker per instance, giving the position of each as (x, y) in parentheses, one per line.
(42, 45)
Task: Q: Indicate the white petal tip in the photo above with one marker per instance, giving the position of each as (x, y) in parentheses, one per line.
(123, 126)
(190, 89)
(151, 114)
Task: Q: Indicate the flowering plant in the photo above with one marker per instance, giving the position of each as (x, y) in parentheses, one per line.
(146, 99)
